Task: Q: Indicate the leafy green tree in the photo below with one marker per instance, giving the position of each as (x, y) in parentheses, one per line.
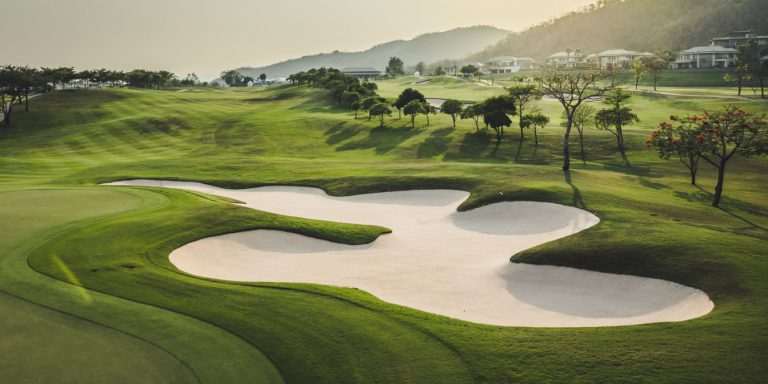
(719, 137)
(428, 109)
(405, 97)
(232, 77)
(453, 108)
(421, 68)
(12, 89)
(395, 67)
(369, 102)
(496, 111)
(440, 70)
(571, 90)
(535, 120)
(656, 65)
(521, 96)
(263, 77)
(413, 108)
(583, 117)
(474, 112)
(638, 70)
(616, 117)
(352, 100)
(381, 110)
(469, 70)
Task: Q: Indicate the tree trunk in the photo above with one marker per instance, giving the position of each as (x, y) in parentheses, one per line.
(637, 82)
(26, 101)
(720, 182)
(535, 135)
(413, 121)
(762, 87)
(581, 147)
(655, 80)
(454, 120)
(427, 119)
(738, 84)
(523, 137)
(566, 142)
(620, 140)
(693, 174)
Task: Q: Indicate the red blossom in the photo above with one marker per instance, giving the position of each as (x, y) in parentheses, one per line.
(700, 138)
(655, 134)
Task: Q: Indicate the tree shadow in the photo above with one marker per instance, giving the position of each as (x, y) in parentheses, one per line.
(341, 132)
(381, 139)
(472, 146)
(436, 144)
(578, 200)
(650, 184)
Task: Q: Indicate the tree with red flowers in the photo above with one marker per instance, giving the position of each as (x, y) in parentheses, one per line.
(683, 142)
(717, 137)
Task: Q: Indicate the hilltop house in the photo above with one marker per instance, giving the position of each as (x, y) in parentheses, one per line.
(709, 56)
(568, 60)
(616, 58)
(738, 39)
(362, 72)
(509, 64)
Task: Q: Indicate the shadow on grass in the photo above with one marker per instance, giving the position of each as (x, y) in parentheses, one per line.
(341, 132)
(382, 140)
(436, 144)
(578, 200)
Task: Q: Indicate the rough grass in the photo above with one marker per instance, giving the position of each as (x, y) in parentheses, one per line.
(116, 240)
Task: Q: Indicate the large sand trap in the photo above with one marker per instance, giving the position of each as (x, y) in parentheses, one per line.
(437, 259)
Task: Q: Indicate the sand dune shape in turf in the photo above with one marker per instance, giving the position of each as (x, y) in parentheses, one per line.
(437, 259)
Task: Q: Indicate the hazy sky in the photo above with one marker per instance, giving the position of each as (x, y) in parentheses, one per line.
(208, 36)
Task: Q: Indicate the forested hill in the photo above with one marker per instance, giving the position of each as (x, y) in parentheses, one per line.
(641, 25)
(432, 47)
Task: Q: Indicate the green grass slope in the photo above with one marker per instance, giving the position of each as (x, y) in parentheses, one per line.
(115, 240)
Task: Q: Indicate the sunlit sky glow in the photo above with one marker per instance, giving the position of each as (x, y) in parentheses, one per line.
(207, 37)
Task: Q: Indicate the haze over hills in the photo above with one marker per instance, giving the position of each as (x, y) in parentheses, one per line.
(454, 44)
(641, 25)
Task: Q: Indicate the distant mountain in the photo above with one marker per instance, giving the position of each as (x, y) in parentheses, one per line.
(640, 25)
(432, 47)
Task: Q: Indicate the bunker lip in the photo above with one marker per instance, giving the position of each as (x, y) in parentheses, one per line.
(436, 259)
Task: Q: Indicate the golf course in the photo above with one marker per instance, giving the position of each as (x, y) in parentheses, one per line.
(98, 283)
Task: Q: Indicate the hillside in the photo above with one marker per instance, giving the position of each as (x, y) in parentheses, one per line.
(431, 47)
(641, 25)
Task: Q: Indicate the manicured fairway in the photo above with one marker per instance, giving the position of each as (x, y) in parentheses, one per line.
(116, 241)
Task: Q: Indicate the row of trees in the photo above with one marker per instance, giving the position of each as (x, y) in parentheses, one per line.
(17, 83)
(234, 78)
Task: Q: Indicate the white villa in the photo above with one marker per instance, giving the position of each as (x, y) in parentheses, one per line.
(709, 56)
(509, 64)
(571, 60)
(614, 58)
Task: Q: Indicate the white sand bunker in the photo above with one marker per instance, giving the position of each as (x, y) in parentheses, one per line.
(437, 259)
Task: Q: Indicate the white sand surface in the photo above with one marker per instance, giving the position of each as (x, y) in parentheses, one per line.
(437, 259)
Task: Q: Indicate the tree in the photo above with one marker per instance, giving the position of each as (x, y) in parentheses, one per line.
(421, 68)
(722, 135)
(428, 109)
(381, 110)
(535, 120)
(11, 89)
(755, 66)
(656, 65)
(451, 107)
(469, 70)
(638, 70)
(352, 100)
(739, 74)
(263, 77)
(406, 97)
(474, 112)
(395, 67)
(369, 102)
(232, 77)
(571, 90)
(190, 80)
(680, 141)
(617, 116)
(440, 70)
(496, 111)
(521, 95)
(413, 108)
(584, 116)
